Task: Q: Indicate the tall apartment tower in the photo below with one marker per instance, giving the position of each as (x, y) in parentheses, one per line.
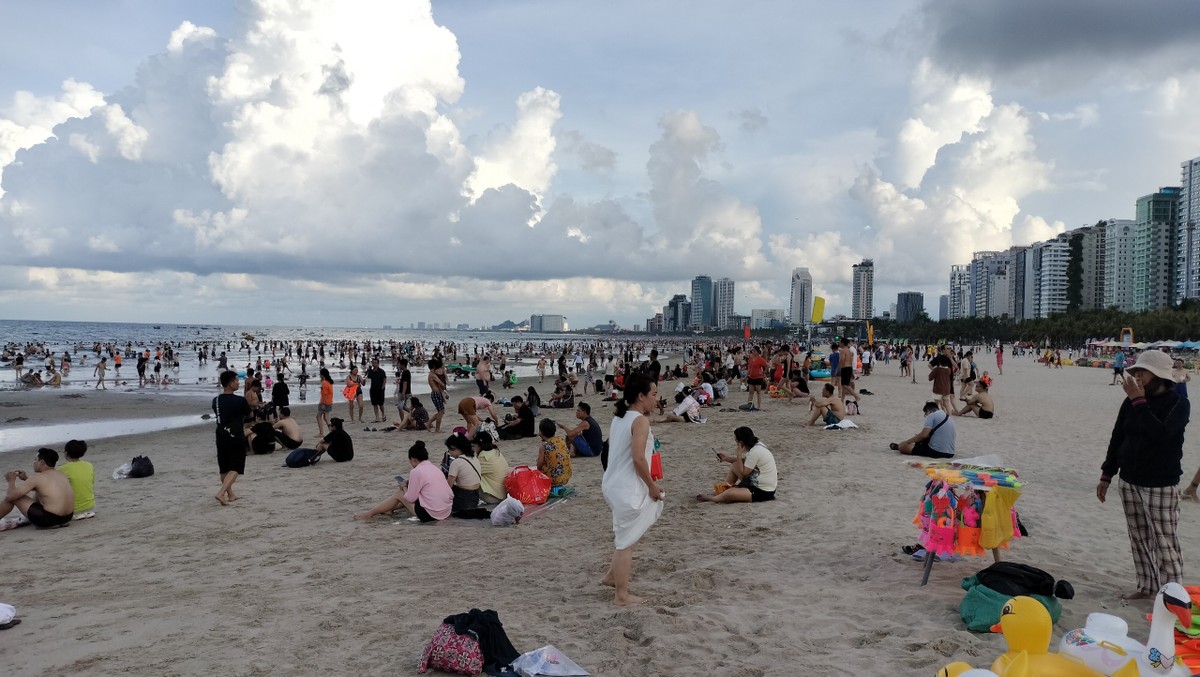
(862, 302)
(800, 311)
(702, 302)
(1187, 240)
(989, 284)
(1119, 260)
(1153, 246)
(723, 303)
(959, 303)
(909, 306)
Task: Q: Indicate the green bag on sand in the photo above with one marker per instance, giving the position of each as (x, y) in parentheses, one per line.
(981, 606)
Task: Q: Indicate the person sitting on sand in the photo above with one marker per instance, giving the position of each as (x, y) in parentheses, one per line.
(425, 495)
(465, 476)
(980, 403)
(82, 477)
(687, 409)
(45, 500)
(586, 438)
(827, 407)
(521, 425)
(752, 476)
(563, 397)
(416, 417)
(493, 469)
(260, 437)
(337, 443)
(936, 439)
(553, 459)
(287, 431)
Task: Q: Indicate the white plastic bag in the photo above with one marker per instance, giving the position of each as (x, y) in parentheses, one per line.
(7, 613)
(508, 512)
(547, 661)
(122, 472)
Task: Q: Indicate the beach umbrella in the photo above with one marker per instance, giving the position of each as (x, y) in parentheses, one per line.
(1169, 343)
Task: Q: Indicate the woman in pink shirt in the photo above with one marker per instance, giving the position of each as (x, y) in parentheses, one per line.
(425, 495)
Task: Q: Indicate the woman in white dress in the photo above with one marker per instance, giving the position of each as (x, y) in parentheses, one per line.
(635, 499)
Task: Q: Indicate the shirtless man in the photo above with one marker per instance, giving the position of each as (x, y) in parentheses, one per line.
(46, 500)
(846, 359)
(483, 374)
(827, 407)
(980, 403)
(287, 431)
(98, 372)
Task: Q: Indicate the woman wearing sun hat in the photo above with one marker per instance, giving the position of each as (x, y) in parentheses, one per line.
(1145, 451)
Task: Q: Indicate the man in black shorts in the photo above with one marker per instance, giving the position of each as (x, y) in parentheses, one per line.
(231, 410)
(46, 499)
(846, 359)
(378, 390)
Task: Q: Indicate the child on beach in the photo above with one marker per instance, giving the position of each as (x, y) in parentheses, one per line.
(82, 477)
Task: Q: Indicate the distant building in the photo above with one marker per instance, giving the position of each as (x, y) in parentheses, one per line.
(800, 311)
(862, 300)
(1051, 261)
(1120, 238)
(654, 325)
(723, 303)
(960, 292)
(420, 325)
(677, 314)
(702, 302)
(943, 307)
(1187, 241)
(768, 318)
(1154, 232)
(909, 306)
(989, 284)
(1021, 283)
(547, 324)
(463, 326)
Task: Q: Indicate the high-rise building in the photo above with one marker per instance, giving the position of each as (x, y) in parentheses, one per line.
(909, 306)
(1117, 287)
(959, 304)
(702, 302)
(943, 307)
(723, 303)
(654, 325)
(1094, 265)
(1157, 216)
(547, 323)
(989, 284)
(800, 311)
(1021, 284)
(768, 318)
(1051, 261)
(1187, 240)
(677, 314)
(862, 300)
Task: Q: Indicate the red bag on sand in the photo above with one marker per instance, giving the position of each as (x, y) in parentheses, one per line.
(528, 485)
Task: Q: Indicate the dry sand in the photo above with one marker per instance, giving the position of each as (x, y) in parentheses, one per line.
(166, 582)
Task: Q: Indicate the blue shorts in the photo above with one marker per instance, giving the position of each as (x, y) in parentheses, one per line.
(582, 448)
(324, 408)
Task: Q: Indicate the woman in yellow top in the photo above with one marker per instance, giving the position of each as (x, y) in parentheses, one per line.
(553, 458)
(493, 468)
(325, 405)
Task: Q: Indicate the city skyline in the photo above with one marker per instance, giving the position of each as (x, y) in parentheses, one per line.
(184, 161)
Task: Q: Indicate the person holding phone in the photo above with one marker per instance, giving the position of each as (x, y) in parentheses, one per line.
(752, 476)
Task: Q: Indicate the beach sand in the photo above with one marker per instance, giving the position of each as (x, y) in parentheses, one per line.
(166, 582)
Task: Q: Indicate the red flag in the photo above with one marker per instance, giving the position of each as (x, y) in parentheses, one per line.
(746, 331)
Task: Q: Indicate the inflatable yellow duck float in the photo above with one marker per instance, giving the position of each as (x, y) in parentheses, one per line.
(1027, 629)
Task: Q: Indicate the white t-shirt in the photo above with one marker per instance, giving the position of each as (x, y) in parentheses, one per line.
(688, 407)
(762, 462)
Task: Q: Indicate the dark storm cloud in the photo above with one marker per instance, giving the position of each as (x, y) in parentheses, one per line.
(1059, 38)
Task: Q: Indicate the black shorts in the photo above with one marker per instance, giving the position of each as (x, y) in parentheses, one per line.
(378, 398)
(758, 495)
(42, 518)
(610, 378)
(286, 441)
(985, 414)
(422, 513)
(847, 375)
(922, 448)
(1118, 370)
(231, 454)
(760, 382)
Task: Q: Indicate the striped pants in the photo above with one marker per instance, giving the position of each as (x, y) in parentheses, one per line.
(1152, 516)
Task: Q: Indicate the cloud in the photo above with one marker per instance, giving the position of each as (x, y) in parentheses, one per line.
(1067, 43)
(29, 120)
(750, 120)
(592, 156)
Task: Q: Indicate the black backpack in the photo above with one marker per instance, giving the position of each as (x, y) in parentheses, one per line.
(141, 467)
(1011, 578)
(302, 457)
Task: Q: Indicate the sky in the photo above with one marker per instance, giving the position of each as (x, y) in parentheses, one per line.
(323, 163)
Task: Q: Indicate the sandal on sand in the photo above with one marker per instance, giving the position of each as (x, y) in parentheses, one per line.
(910, 549)
(5, 626)
(894, 447)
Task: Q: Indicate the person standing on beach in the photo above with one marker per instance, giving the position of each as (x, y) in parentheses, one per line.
(941, 372)
(438, 391)
(756, 379)
(635, 498)
(325, 404)
(483, 374)
(1000, 359)
(378, 379)
(98, 372)
(1118, 367)
(1146, 451)
(231, 410)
